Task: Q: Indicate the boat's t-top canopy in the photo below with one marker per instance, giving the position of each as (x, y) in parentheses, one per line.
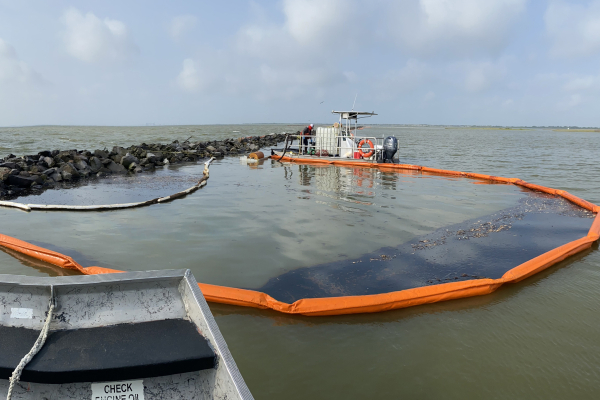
(354, 114)
(351, 116)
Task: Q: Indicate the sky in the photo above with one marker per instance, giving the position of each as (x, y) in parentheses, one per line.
(455, 62)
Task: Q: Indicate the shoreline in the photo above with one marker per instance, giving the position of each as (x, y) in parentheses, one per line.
(33, 174)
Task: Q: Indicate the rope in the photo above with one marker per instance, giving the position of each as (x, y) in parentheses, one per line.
(16, 375)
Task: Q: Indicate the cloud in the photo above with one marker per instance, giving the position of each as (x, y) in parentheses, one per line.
(181, 24)
(571, 101)
(262, 81)
(90, 39)
(411, 76)
(311, 29)
(310, 49)
(13, 70)
(481, 76)
(190, 78)
(429, 96)
(574, 29)
(575, 83)
(454, 27)
(292, 59)
(199, 76)
(321, 22)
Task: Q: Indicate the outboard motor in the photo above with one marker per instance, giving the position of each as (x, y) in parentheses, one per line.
(390, 147)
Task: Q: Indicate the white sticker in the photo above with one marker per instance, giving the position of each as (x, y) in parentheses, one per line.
(21, 313)
(124, 390)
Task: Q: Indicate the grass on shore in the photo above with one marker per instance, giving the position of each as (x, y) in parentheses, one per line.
(576, 130)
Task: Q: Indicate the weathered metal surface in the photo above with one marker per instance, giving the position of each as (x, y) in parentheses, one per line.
(100, 300)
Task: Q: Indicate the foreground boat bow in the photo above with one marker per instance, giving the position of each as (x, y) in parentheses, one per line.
(138, 335)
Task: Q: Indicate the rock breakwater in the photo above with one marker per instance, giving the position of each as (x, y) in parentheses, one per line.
(31, 174)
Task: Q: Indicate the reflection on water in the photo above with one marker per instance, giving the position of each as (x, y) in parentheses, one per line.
(276, 217)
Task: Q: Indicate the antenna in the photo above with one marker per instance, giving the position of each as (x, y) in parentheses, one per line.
(353, 104)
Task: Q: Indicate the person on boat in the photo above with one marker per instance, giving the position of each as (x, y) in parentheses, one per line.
(306, 136)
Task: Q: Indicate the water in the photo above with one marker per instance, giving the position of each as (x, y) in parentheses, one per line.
(27, 140)
(535, 339)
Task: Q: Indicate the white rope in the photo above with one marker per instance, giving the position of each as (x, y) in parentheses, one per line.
(16, 375)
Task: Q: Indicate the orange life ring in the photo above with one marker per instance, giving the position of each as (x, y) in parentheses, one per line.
(362, 153)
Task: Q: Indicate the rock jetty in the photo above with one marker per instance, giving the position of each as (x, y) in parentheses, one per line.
(31, 174)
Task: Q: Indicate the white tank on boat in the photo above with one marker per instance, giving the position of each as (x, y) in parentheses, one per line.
(326, 139)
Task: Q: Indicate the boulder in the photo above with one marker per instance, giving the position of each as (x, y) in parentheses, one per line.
(10, 165)
(81, 165)
(49, 161)
(119, 150)
(4, 173)
(20, 181)
(176, 157)
(24, 173)
(152, 158)
(211, 149)
(95, 164)
(85, 172)
(133, 166)
(66, 175)
(70, 169)
(81, 157)
(116, 168)
(118, 153)
(64, 156)
(56, 176)
(128, 160)
(253, 147)
(101, 153)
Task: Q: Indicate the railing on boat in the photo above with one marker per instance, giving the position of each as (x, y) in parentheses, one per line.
(343, 145)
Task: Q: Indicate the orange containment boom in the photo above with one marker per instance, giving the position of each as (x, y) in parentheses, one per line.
(366, 303)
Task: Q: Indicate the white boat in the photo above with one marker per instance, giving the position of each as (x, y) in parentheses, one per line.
(340, 144)
(127, 336)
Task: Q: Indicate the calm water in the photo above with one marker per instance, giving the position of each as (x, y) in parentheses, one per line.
(536, 339)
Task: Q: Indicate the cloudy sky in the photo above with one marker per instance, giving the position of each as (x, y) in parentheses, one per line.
(492, 62)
